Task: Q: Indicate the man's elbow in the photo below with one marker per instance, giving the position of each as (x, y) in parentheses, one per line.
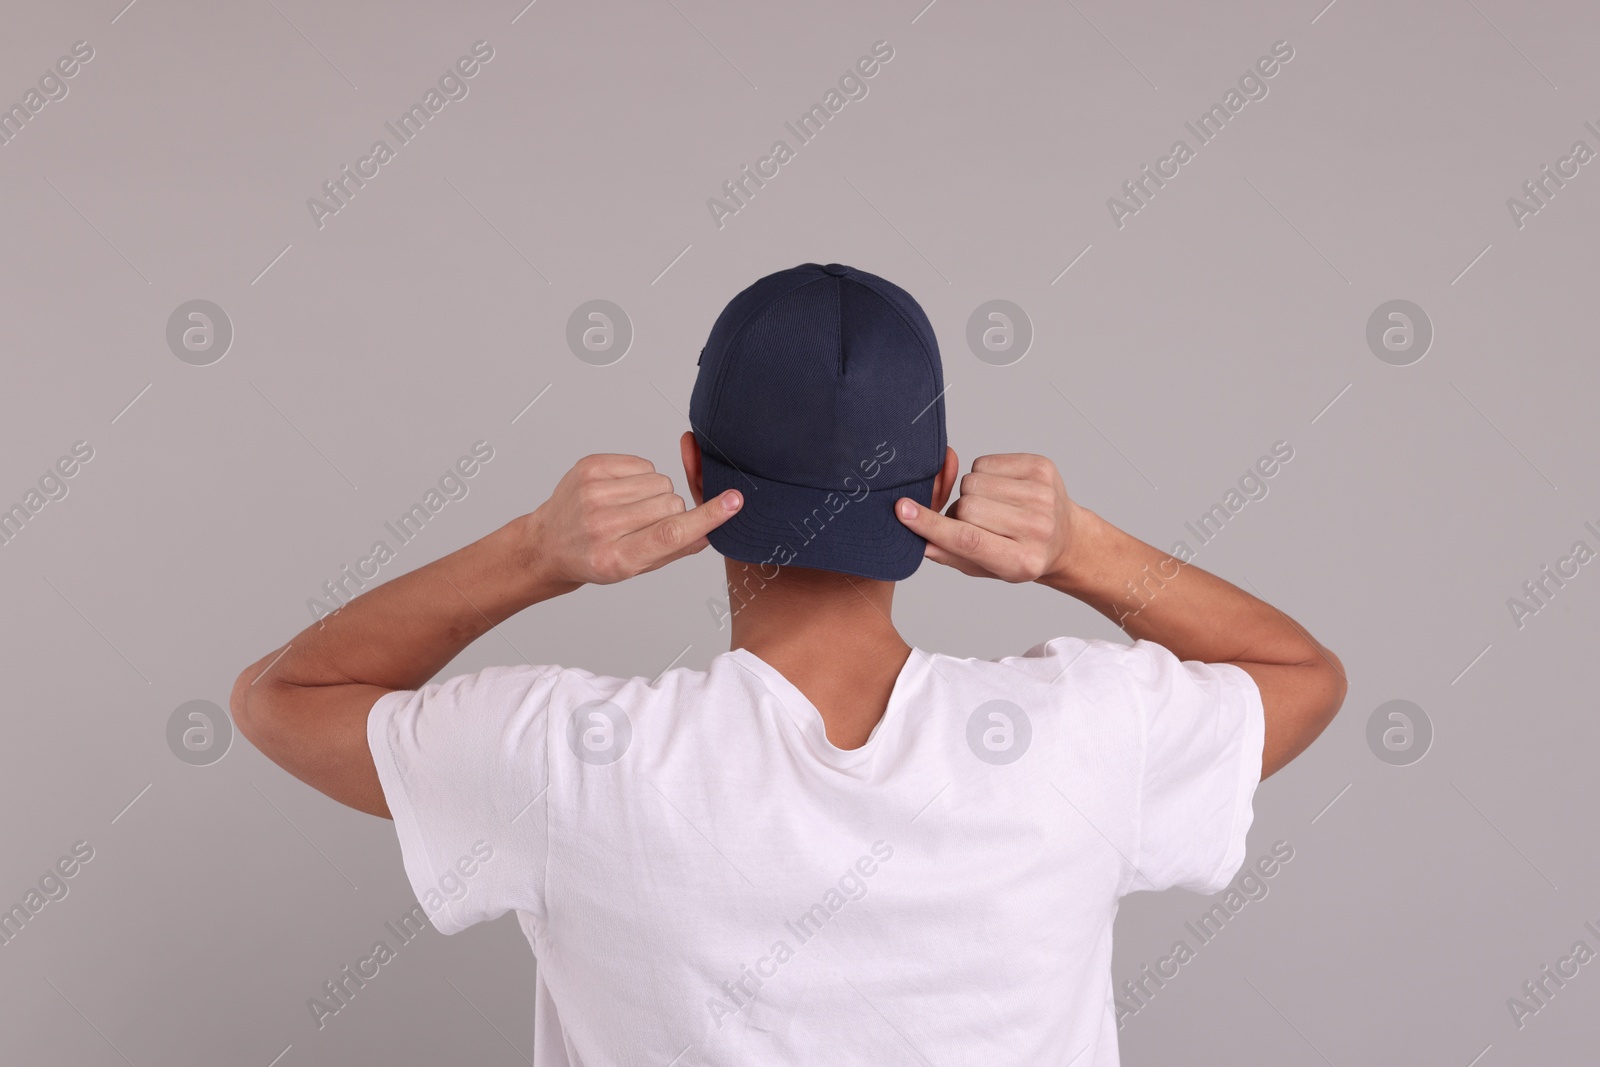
(1331, 686)
(1322, 696)
(251, 707)
(1299, 700)
(239, 707)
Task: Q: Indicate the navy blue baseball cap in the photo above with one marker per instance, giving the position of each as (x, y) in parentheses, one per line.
(820, 397)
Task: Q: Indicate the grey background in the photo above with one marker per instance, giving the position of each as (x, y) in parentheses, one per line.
(1227, 315)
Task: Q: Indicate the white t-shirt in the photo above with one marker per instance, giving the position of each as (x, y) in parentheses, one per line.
(705, 879)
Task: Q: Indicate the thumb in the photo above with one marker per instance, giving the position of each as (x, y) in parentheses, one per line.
(926, 523)
(682, 535)
(708, 516)
(951, 539)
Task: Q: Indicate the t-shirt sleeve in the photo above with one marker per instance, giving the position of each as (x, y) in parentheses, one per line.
(1201, 726)
(1188, 737)
(463, 765)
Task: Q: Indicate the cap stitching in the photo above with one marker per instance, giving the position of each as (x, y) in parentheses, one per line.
(838, 321)
(722, 372)
(719, 387)
(931, 357)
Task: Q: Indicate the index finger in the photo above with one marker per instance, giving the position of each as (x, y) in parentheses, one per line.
(953, 535)
(1025, 466)
(613, 465)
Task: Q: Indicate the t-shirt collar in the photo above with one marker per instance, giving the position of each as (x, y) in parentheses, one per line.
(808, 719)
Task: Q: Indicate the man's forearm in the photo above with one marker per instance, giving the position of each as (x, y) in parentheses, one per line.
(1151, 595)
(403, 632)
(307, 706)
(1014, 521)
(1198, 616)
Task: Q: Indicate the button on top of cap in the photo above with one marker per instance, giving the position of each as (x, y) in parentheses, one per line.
(836, 269)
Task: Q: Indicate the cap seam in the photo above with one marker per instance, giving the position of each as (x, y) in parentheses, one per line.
(930, 357)
(715, 402)
(751, 472)
(838, 328)
(734, 548)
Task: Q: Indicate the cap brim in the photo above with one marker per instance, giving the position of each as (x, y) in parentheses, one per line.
(825, 529)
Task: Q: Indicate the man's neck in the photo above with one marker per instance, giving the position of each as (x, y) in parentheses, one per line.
(831, 635)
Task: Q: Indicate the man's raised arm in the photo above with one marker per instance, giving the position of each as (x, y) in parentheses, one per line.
(305, 705)
(1014, 521)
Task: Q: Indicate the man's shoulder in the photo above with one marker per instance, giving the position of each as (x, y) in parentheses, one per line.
(1068, 657)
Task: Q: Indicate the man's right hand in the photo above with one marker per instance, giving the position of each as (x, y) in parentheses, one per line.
(612, 517)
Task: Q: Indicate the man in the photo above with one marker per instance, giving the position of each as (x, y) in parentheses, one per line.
(829, 846)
